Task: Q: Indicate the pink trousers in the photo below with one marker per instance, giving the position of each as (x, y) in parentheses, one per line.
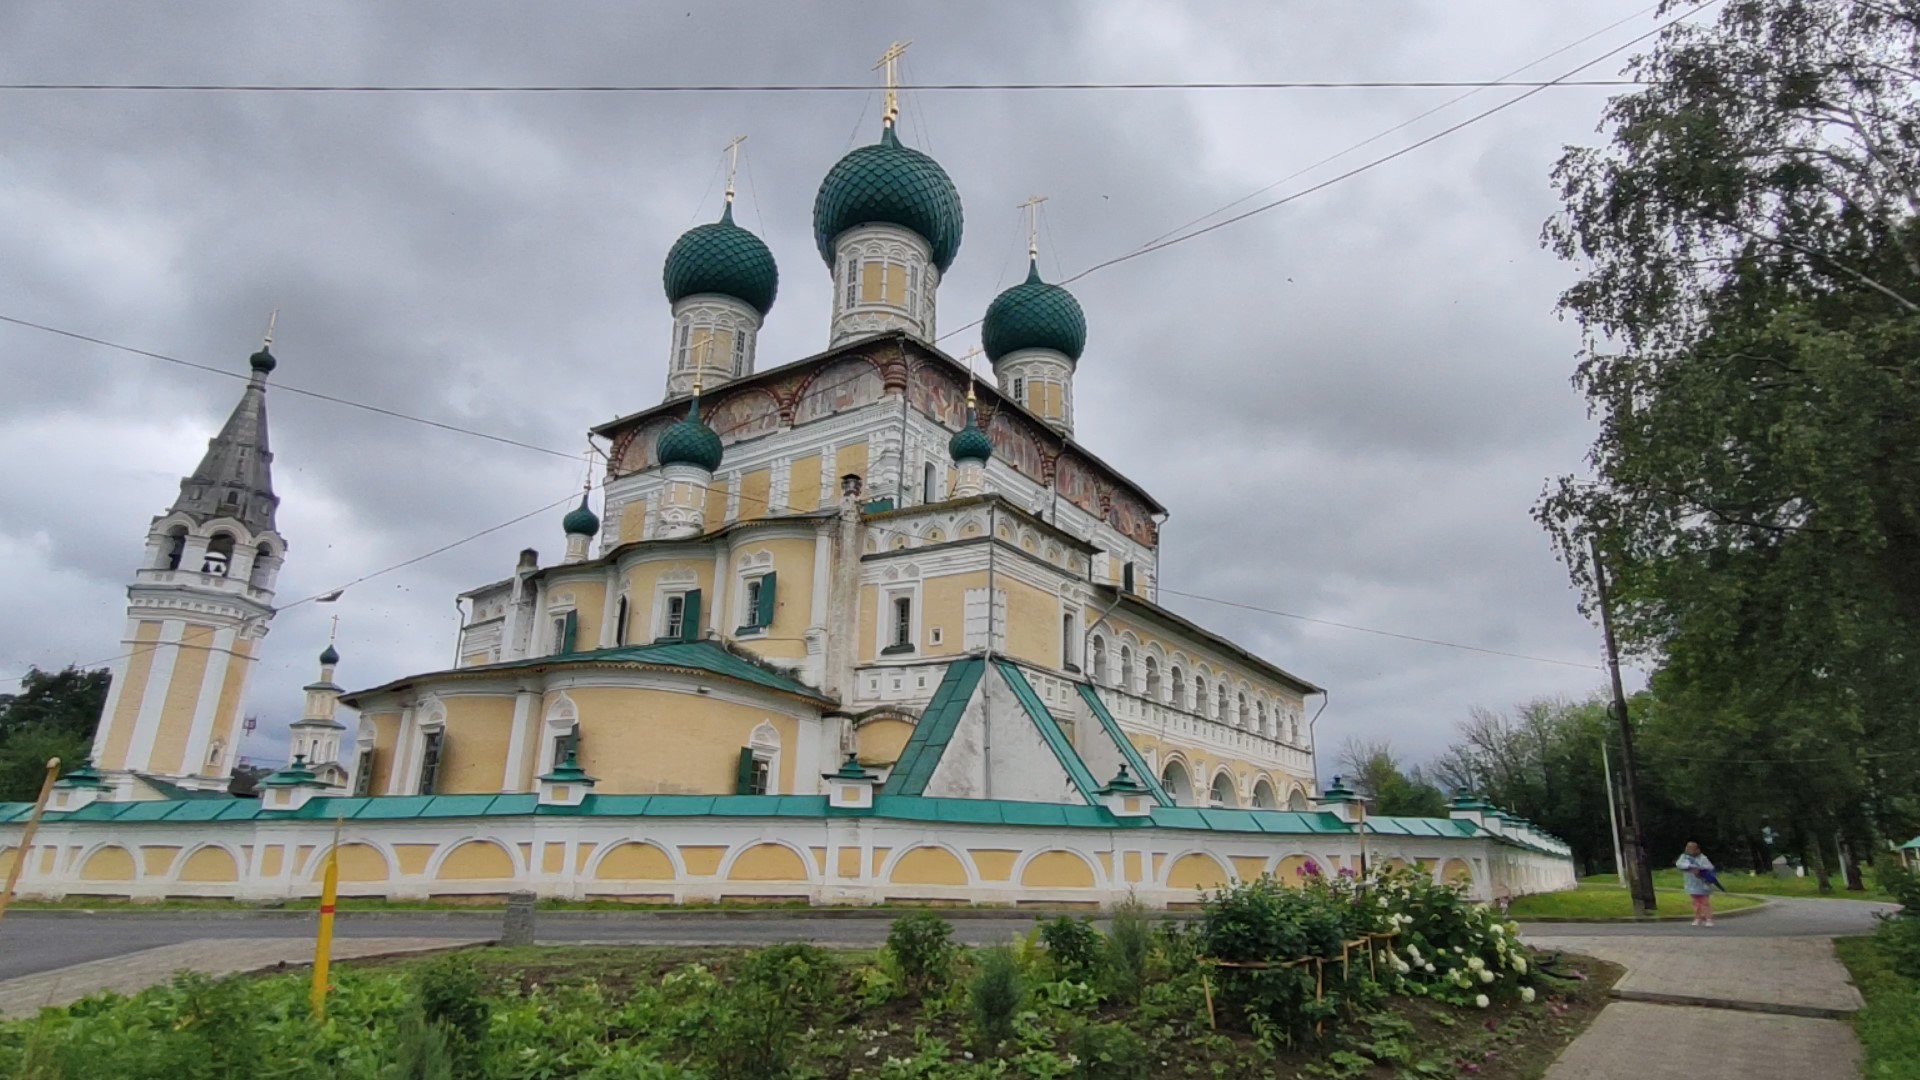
(1702, 906)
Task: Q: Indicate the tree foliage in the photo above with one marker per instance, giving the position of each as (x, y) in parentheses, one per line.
(53, 715)
(1751, 294)
(1375, 773)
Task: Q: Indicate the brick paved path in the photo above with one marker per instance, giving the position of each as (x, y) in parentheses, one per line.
(136, 971)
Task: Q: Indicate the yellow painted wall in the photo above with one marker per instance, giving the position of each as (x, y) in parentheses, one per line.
(644, 578)
(929, 866)
(413, 858)
(793, 601)
(158, 858)
(8, 856)
(226, 715)
(473, 756)
(133, 688)
(1033, 622)
(660, 741)
(803, 485)
(1288, 870)
(944, 601)
(210, 864)
(994, 864)
(589, 592)
(1249, 867)
(183, 697)
(716, 510)
(272, 860)
(358, 862)
(1456, 870)
(476, 860)
(879, 742)
(849, 866)
(767, 862)
(755, 487)
(635, 861)
(1057, 870)
(851, 460)
(1197, 871)
(386, 736)
(702, 860)
(633, 521)
(108, 864)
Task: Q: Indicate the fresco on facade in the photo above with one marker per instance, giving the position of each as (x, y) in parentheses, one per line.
(838, 387)
(744, 415)
(635, 451)
(940, 394)
(1015, 445)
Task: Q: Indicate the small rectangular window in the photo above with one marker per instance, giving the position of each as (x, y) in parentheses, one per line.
(430, 761)
(928, 493)
(853, 279)
(363, 774)
(751, 602)
(896, 285)
(680, 350)
(761, 780)
(739, 353)
(562, 746)
(675, 624)
(1020, 390)
(913, 290)
(903, 622)
(559, 634)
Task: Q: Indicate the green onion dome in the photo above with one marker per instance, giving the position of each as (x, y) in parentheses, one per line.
(722, 258)
(970, 443)
(1034, 315)
(580, 521)
(889, 184)
(329, 655)
(689, 442)
(262, 361)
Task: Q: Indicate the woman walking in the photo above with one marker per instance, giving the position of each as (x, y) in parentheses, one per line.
(1697, 872)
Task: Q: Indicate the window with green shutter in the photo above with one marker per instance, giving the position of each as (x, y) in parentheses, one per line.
(690, 617)
(569, 632)
(757, 604)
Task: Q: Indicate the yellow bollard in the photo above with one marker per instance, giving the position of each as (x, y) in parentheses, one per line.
(323, 947)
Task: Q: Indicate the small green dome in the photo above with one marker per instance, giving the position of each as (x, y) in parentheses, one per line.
(1034, 315)
(329, 655)
(263, 361)
(689, 442)
(722, 258)
(889, 184)
(970, 443)
(581, 521)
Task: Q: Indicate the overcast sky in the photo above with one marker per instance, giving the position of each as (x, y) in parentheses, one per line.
(1349, 404)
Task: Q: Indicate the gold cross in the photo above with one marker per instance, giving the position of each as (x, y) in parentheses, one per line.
(733, 162)
(890, 60)
(972, 351)
(272, 317)
(335, 632)
(1032, 207)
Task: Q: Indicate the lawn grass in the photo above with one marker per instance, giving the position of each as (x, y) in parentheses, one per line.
(1593, 900)
(1889, 1027)
(1742, 881)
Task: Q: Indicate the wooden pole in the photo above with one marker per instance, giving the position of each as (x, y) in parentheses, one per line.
(1639, 873)
(323, 944)
(26, 837)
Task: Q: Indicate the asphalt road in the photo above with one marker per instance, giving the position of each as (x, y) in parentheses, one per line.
(39, 941)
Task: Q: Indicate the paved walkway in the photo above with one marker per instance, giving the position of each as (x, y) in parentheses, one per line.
(26, 995)
(1699, 1005)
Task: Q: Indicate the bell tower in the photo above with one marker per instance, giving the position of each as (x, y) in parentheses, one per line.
(196, 611)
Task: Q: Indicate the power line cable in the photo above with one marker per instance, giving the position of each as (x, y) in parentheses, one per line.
(797, 88)
(285, 388)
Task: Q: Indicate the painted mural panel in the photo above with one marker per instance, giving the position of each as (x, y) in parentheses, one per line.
(838, 387)
(744, 415)
(1014, 444)
(938, 392)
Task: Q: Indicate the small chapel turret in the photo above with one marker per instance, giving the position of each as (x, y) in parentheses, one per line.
(1033, 334)
(197, 609)
(721, 281)
(688, 452)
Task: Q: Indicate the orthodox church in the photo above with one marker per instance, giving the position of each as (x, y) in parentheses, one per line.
(849, 627)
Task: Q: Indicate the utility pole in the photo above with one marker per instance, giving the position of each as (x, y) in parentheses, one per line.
(1639, 873)
(1613, 815)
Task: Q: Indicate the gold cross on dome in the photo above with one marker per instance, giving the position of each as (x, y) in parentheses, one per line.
(890, 60)
(1032, 207)
(272, 317)
(733, 162)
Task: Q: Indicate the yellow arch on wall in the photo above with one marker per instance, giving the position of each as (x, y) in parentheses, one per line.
(7, 858)
(1287, 870)
(1456, 870)
(1057, 870)
(633, 860)
(358, 862)
(882, 738)
(475, 860)
(111, 863)
(210, 864)
(929, 866)
(1197, 870)
(768, 862)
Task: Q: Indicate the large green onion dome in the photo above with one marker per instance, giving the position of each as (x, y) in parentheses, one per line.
(1034, 315)
(689, 442)
(970, 443)
(722, 258)
(581, 521)
(889, 184)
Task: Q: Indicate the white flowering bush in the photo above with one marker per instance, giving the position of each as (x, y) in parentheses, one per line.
(1448, 947)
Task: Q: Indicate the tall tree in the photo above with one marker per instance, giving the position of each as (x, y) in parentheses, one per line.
(1376, 775)
(53, 715)
(1751, 292)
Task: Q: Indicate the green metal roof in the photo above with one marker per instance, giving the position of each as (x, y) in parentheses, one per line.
(936, 727)
(581, 520)
(701, 656)
(175, 791)
(889, 183)
(1049, 728)
(970, 443)
(1912, 845)
(723, 258)
(1034, 315)
(1127, 749)
(689, 442)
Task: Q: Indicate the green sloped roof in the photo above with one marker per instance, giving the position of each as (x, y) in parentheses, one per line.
(175, 791)
(1132, 753)
(1049, 727)
(1912, 845)
(936, 727)
(701, 656)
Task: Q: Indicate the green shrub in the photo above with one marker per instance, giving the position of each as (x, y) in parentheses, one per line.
(1900, 883)
(921, 945)
(420, 1050)
(1109, 1052)
(801, 975)
(1073, 945)
(1898, 939)
(748, 1035)
(452, 994)
(994, 997)
(1129, 944)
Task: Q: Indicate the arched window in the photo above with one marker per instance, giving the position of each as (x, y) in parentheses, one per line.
(1263, 795)
(1126, 669)
(1099, 659)
(1153, 678)
(1200, 695)
(1222, 793)
(176, 546)
(1245, 715)
(620, 622)
(927, 492)
(1297, 800)
(258, 578)
(219, 555)
(1260, 717)
(1174, 779)
(1220, 710)
(1179, 687)
(1069, 644)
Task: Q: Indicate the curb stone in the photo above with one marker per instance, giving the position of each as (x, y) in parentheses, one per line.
(1631, 920)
